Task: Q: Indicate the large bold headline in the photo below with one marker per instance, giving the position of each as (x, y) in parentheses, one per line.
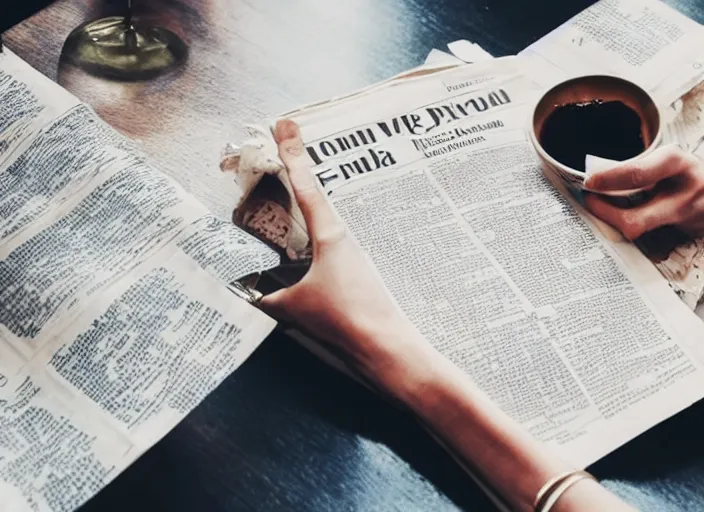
(418, 123)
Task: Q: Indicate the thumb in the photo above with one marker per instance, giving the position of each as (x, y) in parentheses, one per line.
(322, 222)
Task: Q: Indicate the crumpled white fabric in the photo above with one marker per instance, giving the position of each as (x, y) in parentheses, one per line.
(248, 163)
(255, 157)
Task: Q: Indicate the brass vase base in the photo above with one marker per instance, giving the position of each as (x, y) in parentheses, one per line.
(120, 48)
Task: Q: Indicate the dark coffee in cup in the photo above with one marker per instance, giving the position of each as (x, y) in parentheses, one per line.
(600, 115)
(608, 129)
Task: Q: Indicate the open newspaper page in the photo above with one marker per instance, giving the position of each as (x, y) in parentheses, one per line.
(646, 41)
(579, 340)
(115, 318)
(659, 48)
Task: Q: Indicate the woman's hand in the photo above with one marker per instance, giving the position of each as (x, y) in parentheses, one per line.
(678, 193)
(341, 300)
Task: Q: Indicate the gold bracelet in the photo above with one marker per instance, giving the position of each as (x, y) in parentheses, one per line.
(549, 486)
(551, 498)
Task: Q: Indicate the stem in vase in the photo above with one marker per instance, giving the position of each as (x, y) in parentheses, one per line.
(130, 31)
(128, 15)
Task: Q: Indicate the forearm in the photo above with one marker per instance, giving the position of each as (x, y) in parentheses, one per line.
(489, 442)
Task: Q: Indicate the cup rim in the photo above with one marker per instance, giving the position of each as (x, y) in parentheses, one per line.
(574, 172)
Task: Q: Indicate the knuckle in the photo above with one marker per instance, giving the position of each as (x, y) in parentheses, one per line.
(694, 168)
(690, 160)
(632, 226)
(694, 187)
(308, 194)
(309, 190)
(331, 235)
(635, 176)
(290, 149)
(671, 152)
(302, 181)
(698, 175)
(692, 207)
(675, 157)
(684, 203)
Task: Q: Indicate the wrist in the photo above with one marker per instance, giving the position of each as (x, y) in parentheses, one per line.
(462, 416)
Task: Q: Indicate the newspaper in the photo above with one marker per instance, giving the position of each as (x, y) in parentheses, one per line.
(577, 48)
(115, 317)
(645, 41)
(660, 49)
(587, 44)
(576, 337)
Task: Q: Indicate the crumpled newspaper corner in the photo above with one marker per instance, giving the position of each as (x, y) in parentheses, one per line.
(468, 52)
(683, 269)
(682, 264)
(267, 207)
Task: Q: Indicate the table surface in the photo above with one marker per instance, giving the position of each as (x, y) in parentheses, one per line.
(286, 433)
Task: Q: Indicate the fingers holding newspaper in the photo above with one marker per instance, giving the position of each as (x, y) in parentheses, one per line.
(342, 302)
(677, 180)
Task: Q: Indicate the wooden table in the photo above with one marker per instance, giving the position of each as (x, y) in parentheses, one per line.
(285, 433)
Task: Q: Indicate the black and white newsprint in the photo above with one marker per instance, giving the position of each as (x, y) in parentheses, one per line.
(576, 336)
(115, 317)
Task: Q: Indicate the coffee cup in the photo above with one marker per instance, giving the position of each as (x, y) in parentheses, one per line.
(601, 90)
